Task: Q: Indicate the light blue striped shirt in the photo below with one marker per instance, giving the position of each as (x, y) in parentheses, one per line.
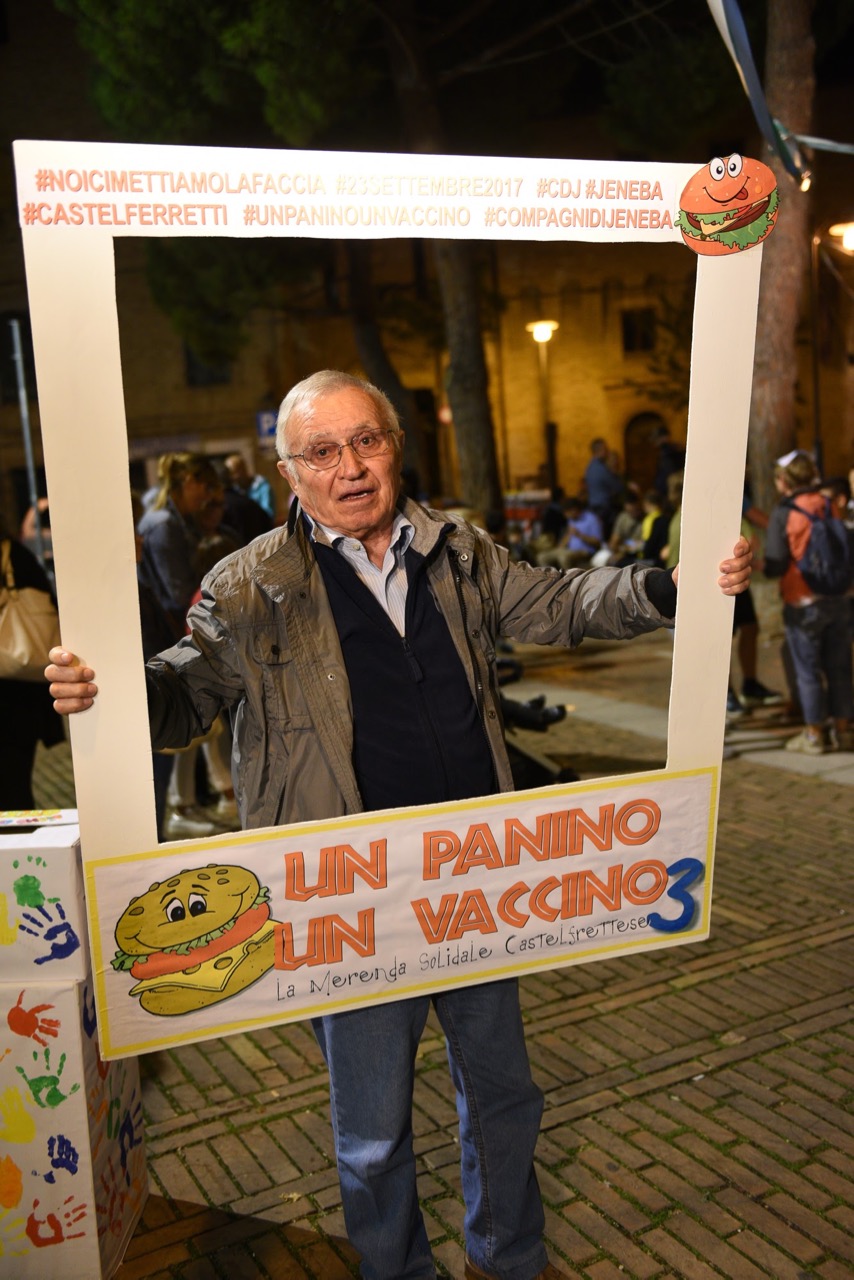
(388, 583)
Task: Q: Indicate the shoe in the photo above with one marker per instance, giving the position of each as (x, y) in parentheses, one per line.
(184, 824)
(787, 715)
(733, 706)
(225, 814)
(807, 743)
(474, 1272)
(533, 714)
(755, 694)
(841, 740)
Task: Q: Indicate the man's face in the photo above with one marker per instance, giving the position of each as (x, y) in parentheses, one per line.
(357, 497)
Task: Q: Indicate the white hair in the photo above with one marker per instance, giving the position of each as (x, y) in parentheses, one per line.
(302, 398)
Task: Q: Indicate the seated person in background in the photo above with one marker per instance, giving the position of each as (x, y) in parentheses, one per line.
(655, 529)
(585, 533)
(625, 541)
(549, 531)
(584, 538)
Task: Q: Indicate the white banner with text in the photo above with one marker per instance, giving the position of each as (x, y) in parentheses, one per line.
(312, 919)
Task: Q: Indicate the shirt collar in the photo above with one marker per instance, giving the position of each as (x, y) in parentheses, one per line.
(402, 532)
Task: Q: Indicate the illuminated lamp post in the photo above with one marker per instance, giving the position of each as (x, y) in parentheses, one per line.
(844, 232)
(841, 235)
(541, 331)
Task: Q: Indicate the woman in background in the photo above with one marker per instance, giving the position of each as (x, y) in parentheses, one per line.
(26, 707)
(169, 533)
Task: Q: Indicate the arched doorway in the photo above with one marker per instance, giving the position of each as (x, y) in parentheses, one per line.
(639, 449)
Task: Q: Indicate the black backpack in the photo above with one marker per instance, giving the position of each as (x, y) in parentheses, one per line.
(827, 564)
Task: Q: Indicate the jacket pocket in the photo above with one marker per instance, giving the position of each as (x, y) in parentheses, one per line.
(281, 692)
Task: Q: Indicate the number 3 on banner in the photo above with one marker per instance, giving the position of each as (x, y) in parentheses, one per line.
(688, 870)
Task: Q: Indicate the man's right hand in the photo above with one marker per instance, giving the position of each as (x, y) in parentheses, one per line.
(70, 682)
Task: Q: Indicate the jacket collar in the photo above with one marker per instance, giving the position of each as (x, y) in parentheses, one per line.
(291, 561)
(430, 526)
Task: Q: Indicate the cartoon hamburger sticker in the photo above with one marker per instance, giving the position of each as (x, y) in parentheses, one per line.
(200, 937)
(728, 205)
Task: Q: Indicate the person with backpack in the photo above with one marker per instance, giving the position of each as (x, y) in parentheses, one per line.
(807, 547)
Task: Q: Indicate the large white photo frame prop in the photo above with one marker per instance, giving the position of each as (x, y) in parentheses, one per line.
(74, 198)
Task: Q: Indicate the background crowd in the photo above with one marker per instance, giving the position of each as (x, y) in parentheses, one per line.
(198, 512)
(202, 509)
(611, 520)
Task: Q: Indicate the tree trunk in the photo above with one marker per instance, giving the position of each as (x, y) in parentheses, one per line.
(468, 381)
(419, 450)
(789, 85)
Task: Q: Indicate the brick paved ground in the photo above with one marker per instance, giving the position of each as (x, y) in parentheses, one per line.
(697, 1099)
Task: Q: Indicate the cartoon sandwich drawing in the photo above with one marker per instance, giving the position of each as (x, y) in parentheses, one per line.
(728, 205)
(197, 938)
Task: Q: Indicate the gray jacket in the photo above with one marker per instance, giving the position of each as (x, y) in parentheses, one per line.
(264, 648)
(169, 542)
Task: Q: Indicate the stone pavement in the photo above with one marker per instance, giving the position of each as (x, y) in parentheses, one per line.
(698, 1119)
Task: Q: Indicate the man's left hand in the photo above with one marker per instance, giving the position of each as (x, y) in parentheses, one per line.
(735, 572)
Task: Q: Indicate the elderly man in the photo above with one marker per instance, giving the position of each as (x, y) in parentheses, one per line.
(355, 652)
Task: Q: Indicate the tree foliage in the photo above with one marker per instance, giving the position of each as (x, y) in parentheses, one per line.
(389, 75)
(234, 72)
(668, 366)
(674, 100)
(210, 287)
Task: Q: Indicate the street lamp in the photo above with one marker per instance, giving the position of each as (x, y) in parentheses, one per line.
(844, 231)
(541, 331)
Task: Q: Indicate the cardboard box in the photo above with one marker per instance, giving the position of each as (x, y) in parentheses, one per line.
(38, 818)
(42, 911)
(72, 1155)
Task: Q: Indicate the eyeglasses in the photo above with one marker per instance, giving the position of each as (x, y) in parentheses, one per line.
(324, 455)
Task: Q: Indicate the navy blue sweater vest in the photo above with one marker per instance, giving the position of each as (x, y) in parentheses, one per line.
(417, 732)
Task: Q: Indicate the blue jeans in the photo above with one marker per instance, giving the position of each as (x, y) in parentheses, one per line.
(371, 1058)
(819, 637)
